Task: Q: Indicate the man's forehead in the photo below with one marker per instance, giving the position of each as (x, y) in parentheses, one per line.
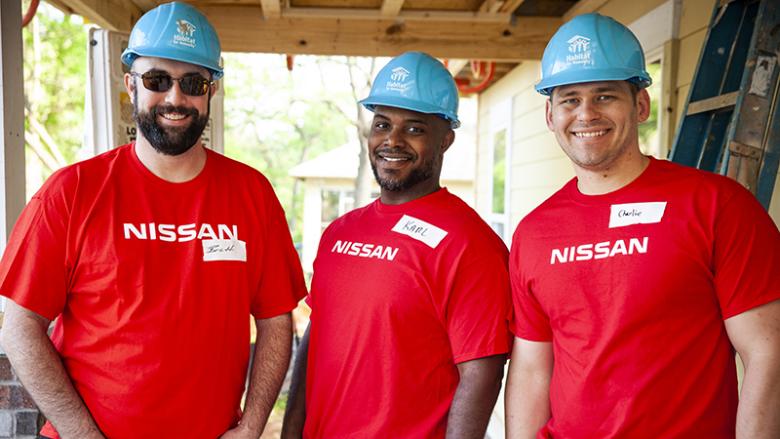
(407, 115)
(591, 87)
(177, 68)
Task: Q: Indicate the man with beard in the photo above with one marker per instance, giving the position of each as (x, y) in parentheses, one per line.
(408, 334)
(152, 257)
(634, 284)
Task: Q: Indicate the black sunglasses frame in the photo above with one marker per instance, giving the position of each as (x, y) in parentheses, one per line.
(191, 84)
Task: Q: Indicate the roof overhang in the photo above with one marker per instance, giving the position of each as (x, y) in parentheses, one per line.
(504, 31)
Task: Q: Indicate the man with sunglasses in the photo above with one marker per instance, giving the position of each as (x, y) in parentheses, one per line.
(151, 257)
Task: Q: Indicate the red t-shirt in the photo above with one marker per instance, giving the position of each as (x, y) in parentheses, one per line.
(153, 283)
(632, 288)
(401, 294)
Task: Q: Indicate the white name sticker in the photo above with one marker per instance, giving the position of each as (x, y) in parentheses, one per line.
(224, 250)
(623, 215)
(420, 230)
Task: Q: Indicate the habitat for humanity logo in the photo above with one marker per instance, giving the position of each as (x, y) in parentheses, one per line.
(579, 49)
(397, 80)
(185, 33)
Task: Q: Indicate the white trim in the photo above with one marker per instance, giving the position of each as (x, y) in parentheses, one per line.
(652, 56)
(658, 26)
(657, 31)
(12, 162)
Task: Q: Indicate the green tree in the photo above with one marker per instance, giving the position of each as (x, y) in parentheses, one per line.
(55, 61)
(276, 119)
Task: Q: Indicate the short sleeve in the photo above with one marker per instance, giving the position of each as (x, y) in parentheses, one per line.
(281, 282)
(478, 304)
(746, 254)
(529, 321)
(33, 269)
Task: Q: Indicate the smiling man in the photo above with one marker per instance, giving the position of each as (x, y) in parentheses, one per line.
(151, 258)
(634, 284)
(410, 294)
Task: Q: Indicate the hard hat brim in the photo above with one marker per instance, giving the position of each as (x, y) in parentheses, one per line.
(129, 56)
(409, 104)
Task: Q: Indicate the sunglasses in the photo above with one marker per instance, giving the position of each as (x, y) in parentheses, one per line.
(192, 84)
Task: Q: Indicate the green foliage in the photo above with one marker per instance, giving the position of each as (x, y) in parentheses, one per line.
(55, 63)
(275, 119)
(281, 403)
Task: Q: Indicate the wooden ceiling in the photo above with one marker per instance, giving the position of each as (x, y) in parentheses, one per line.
(505, 31)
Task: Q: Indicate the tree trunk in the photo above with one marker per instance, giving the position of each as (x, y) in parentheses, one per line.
(364, 174)
(364, 177)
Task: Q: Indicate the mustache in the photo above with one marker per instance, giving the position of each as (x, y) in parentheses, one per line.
(188, 111)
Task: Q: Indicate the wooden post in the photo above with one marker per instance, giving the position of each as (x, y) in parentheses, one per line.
(12, 196)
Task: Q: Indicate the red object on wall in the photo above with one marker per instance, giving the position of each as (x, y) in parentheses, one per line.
(31, 10)
(478, 68)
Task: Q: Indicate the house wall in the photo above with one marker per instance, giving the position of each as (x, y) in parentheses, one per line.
(538, 166)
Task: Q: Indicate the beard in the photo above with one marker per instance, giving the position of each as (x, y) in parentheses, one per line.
(170, 141)
(417, 175)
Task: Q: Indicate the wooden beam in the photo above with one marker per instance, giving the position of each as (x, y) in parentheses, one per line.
(713, 103)
(144, 5)
(108, 14)
(61, 6)
(491, 6)
(271, 9)
(511, 5)
(583, 7)
(243, 29)
(374, 14)
(391, 8)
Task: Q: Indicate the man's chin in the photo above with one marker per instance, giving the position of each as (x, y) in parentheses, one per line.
(172, 150)
(389, 183)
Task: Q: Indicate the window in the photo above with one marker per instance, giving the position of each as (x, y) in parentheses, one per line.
(499, 160)
(337, 202)
(498, 205)
(658, 30)
(649, 131)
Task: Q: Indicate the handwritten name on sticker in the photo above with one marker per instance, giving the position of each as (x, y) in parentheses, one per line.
(420, 230)
(224, 250)
(622, 215)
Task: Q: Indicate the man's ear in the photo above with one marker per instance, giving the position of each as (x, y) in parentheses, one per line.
(643, 105)
(548, 113)
(130, 86)
(449, 138)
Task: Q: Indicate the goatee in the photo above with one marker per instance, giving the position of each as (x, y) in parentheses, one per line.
(169, 140)
(417, 175)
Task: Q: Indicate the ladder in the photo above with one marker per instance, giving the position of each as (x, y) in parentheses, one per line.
(731, 123)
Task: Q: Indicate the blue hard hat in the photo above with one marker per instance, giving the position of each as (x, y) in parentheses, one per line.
(416, 81)
(175, 31)
(592, 47)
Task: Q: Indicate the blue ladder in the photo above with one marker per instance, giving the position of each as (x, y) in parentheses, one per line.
(731, 123)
